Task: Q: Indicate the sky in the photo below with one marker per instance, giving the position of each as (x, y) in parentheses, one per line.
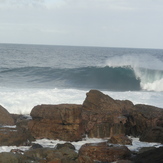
(106, 23)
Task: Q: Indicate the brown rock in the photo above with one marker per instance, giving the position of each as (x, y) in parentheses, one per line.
(120, 139)
(104, 153)
(14, 136)
(5, 117)
(85, 159)
(7, 157)
(103, 116)
(141, 118)
(153, 135)
(57, 122)
(63, 155)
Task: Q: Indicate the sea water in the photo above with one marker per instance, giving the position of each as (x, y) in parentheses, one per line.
(42, 74)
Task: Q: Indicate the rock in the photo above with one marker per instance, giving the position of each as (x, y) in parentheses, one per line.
(39, 154)
(5, 117)
(120, 139)
(143, 117)
(63, 155)
(145, 149)
(69, 145)
(124, 161)
(35, 146)
(150, 156)
(9, 157)
(103, 116)
(85, 159)
(153, 135)
(14, 137)
(57, 122)
(104, 153)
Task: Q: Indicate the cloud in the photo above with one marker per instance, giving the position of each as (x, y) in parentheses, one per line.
(82, 22)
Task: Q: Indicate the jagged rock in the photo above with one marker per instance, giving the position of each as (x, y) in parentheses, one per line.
(153, 135)
(103, 116)
(120, 139)
(141, 118)
(104, 153)
(5, 117)
(57, 122)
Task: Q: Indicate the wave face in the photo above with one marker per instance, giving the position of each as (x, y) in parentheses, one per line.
(104, 78)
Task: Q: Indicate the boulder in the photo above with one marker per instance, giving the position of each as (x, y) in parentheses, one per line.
(120, 139)
(153, 135)
(150, 156)
(141, 118)
(68, 145)
(14, 137)
(62, 155)
(104, 153)
(62, 122)
(103, 116)
(9, 157)
(5, 117)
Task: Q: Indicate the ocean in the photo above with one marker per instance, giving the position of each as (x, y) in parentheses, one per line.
(46, 74)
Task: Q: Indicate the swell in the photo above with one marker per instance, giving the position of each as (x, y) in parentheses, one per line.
(104, 78)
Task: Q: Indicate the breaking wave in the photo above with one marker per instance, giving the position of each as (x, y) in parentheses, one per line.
(123, 78)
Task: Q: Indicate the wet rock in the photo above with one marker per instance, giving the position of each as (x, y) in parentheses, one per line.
(104, 153)
(68, 145)
(35, 146)
(120, 139)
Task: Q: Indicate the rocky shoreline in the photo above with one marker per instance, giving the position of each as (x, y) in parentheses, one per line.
(99, 116)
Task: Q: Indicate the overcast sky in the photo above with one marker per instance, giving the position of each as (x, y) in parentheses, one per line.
(110, 23)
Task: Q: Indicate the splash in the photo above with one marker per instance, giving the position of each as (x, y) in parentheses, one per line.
(148, 69)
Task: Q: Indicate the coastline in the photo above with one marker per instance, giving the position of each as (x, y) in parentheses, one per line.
(98, 118)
